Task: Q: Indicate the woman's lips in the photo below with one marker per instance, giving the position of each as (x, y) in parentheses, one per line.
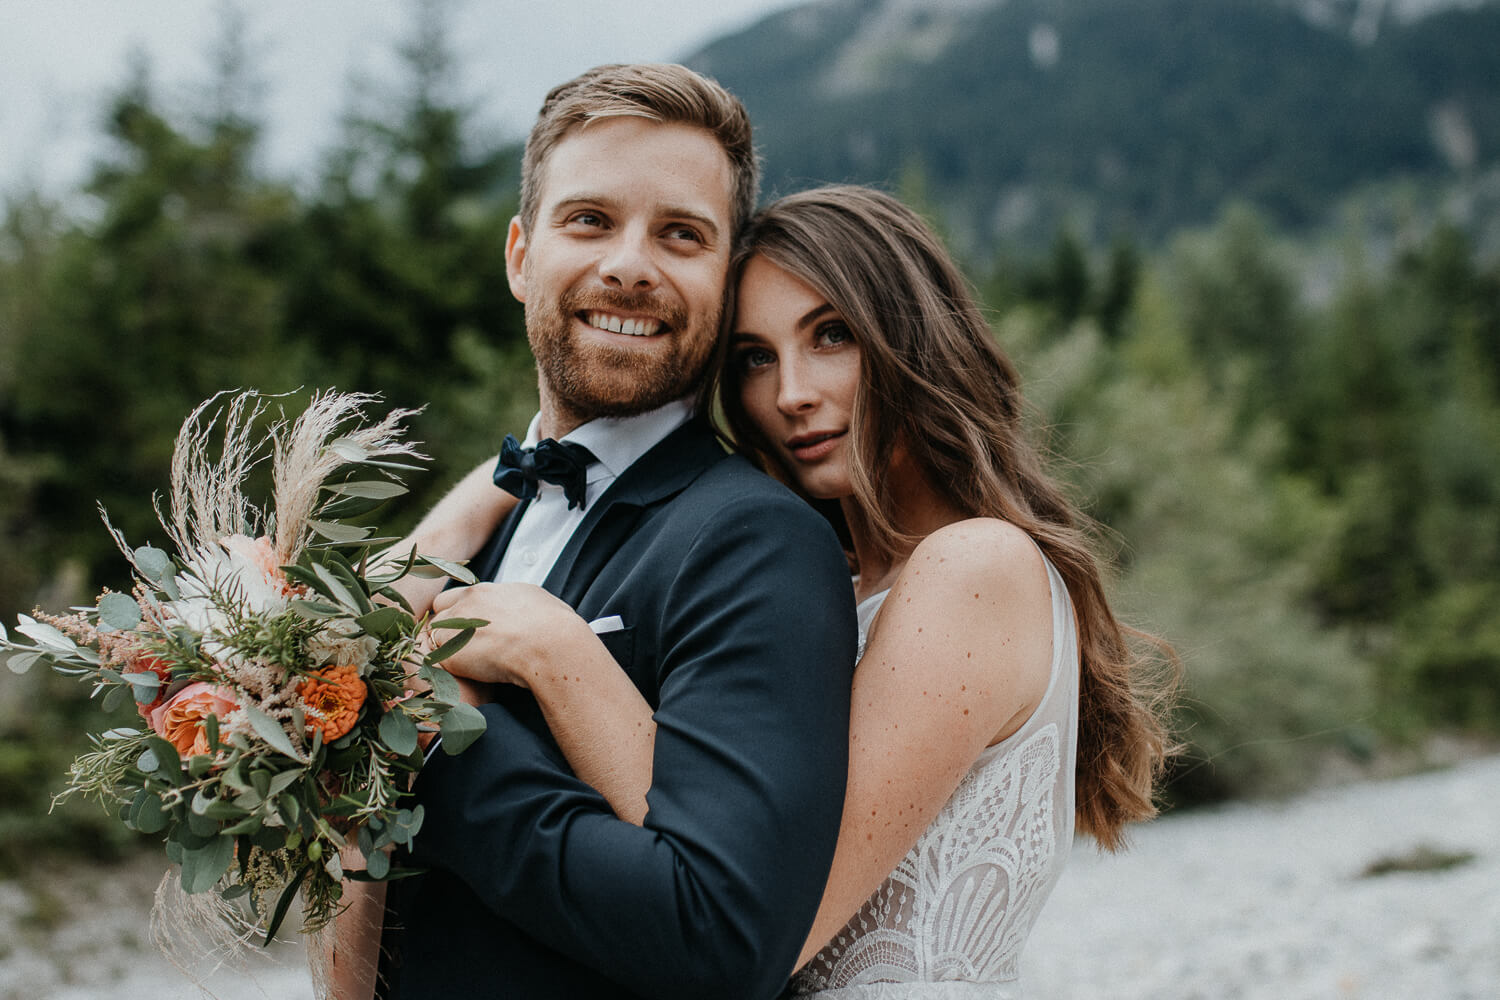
(811, 447)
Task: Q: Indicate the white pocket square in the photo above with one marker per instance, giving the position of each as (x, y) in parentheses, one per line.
(609, 623)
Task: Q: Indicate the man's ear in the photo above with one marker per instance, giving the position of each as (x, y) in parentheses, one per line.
(515, 257)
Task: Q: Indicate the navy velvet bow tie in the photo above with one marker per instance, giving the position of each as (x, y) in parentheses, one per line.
(561, 463)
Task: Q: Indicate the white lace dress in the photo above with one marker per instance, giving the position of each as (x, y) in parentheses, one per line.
(953, 917)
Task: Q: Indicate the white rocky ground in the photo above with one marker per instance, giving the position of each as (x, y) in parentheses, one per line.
(1249, 901)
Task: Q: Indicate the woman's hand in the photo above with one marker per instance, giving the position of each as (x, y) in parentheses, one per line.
(530, 640)
(599, 719)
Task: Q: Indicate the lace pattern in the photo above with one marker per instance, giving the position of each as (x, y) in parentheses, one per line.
(958, 908)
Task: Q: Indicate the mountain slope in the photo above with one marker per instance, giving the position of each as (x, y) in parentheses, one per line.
(1120, 115)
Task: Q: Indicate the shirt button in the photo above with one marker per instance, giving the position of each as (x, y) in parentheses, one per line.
(529, 557)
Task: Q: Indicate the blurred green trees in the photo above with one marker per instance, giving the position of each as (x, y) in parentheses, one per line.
(1297, 453)
(189, 271)
(1306, 495)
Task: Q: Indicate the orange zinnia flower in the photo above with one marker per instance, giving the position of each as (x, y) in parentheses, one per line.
(333, 697)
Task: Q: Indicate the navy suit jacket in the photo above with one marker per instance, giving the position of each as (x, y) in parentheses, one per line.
(739, 631)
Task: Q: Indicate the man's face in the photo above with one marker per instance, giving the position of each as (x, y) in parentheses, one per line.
(623, 271)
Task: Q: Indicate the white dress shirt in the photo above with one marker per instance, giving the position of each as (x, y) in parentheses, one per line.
(547, 523)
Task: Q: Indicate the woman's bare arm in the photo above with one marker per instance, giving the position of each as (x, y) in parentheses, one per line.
(958, 659)
(455, 529)
(596, 714)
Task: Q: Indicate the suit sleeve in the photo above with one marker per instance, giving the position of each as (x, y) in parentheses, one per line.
(715, 894)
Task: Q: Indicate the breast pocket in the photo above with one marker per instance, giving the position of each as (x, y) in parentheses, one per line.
(621, 645)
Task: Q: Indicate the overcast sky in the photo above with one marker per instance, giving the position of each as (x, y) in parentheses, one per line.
(60, 58)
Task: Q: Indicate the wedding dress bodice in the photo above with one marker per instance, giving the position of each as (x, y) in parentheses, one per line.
(957, 910)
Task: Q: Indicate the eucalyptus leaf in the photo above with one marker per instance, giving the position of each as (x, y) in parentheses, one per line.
(247, 800)
(45, 635)
(153, 563)
(285, 902)
(461, 623)
(348, 450)
(119, 611)
(282, 782)
(339, 567)
(166, 753)
(458, 571)
(315, 610)
(203, 826)
(270, 730)
(148, 761)
(203, 867)
(147, 814)
(336, 531)
(19, 663)
(444, 686)
(378, 865)
(370, 489)
(449, 648)
(143, 686)
(114, 699)
(398, 732)
(335, 588)
(383, 622)
(462, 725)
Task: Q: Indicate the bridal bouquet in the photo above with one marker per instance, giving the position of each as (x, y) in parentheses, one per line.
(269, 659)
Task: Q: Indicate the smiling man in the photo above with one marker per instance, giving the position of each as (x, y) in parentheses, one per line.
(692, 565)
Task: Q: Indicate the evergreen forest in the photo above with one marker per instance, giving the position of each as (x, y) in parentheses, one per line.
(1290, 432)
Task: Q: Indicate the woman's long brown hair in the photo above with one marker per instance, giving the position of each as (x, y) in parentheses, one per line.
(935, 382)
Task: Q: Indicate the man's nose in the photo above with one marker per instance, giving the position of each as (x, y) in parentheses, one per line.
(629, 262)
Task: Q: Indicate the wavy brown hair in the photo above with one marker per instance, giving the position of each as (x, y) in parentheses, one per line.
(934, 382)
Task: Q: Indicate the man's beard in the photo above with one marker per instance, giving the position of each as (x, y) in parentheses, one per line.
(595, 380)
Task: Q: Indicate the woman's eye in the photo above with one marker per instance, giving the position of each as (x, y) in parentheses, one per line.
(755, 357)
(834, 333)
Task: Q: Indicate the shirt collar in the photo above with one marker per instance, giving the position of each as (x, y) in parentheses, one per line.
(618, 441)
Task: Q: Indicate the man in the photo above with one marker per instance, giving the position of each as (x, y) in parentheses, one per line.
(731, 599)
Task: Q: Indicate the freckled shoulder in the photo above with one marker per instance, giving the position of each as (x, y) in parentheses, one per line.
(969, 619)
(985, 557)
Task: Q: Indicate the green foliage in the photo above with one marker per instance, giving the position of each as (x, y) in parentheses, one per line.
(191, 272)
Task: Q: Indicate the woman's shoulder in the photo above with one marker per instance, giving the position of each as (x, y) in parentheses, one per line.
(989, 553)
(972, 610)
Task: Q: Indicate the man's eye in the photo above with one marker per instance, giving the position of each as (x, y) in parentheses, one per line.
(684, 233)
(587, 218)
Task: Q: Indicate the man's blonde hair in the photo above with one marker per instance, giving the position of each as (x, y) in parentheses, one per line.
(659, 92)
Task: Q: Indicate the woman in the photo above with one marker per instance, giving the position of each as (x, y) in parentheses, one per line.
(995, 701)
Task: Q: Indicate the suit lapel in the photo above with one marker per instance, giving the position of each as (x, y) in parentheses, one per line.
(661, 473)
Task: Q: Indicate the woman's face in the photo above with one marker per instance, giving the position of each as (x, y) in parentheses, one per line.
(798, 367)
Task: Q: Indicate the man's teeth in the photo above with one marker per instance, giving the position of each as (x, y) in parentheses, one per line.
(618, 324)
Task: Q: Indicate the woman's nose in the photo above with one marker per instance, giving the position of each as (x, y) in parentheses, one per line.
(796, 392)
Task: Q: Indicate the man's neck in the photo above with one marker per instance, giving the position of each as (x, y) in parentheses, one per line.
(558, 419)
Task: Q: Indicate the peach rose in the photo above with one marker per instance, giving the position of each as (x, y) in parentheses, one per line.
(180, 720)
(333, 697)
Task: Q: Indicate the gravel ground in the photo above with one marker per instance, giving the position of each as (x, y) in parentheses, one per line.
(1248, 901)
